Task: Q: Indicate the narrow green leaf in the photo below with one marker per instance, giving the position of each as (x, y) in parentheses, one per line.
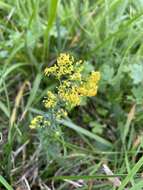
(7, 71)
(4, 109)
(86, 132)
(85, 177)
(51, 18)
(138, 186)
(5, 183)
(5, 6)
(131, 174)
(33, 92)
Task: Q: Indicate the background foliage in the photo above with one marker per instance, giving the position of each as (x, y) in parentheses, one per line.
(107, 130)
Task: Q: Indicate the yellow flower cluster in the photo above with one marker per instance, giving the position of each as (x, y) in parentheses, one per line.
(73, 86)
(50, 101)
(89, 88)
(63, 67)
(69, 95)
(39, 122)
(35, 122)
(75, 76)
(61, 113)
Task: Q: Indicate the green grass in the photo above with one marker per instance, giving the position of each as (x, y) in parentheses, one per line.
(5, 184)
(107, 130)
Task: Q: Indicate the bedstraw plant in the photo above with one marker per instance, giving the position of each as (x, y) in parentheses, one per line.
(74, 85)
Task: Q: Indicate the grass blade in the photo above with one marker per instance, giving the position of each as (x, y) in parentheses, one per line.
(131, 174)
(5, 183)
(5, 6)
(137, 186)
(7, 71)
(85, 177)
(86, 133)
(33, 93)
(51, 18)
(4, 109)
(130, 117)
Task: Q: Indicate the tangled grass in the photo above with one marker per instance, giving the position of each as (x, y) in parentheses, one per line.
(101, 147)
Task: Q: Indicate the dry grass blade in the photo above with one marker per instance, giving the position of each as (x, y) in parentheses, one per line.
(15, 154)
(24, 185)
(115, 181)
(137, 141)
(17, 102)
(130, 117)
(75, 184)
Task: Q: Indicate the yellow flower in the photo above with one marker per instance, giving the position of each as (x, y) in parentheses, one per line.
(65, 59)
(64, 70)
(50, 101)
(35, 123)
(76, 76)
(61, 114)
(69, 95)
(94, 77)
(89, 88)
(82, 91)
(65, 66)
(50, 70)
(47, 123)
